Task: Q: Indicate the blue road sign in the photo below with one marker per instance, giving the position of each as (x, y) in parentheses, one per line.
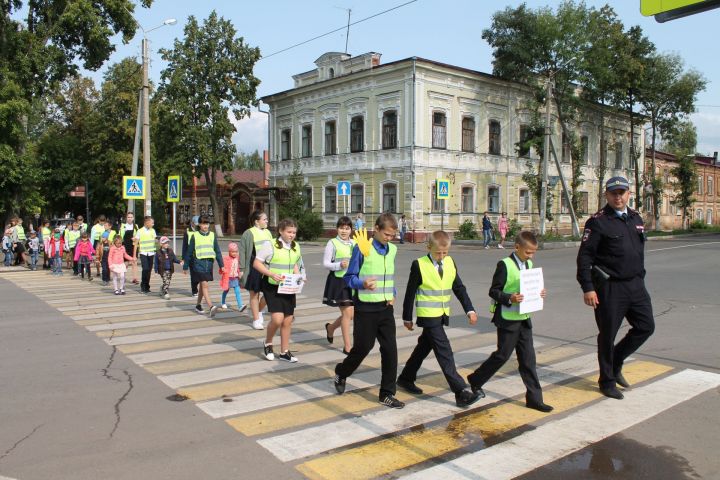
(173, 188)
(443, 189)
(343, 188)
(133, 188)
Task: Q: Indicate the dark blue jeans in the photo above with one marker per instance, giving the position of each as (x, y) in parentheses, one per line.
(487, 236)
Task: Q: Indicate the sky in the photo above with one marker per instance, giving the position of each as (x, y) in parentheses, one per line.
(447, 31)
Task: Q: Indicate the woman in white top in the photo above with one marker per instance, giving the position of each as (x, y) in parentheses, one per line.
(337, 293)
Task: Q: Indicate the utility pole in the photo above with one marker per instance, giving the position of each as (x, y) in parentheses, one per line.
(146, 128)
(546, 156)
(136, 148)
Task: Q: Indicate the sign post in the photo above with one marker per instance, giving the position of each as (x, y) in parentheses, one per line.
(344, 191)
(174, 192)
(442, 192)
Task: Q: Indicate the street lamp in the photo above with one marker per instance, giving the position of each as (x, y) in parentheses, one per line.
(144, 117)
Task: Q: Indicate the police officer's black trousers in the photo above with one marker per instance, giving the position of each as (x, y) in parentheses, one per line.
(434, 339)
(367, 326)
(621, 299)
(512, 335)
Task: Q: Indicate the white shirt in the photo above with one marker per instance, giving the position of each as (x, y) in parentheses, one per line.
(266, 252)
(329, 256)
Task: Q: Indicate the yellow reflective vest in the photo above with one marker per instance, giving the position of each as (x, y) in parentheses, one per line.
(512, 285)
(204, 245)
(261, 237)
(146, 238)
(343, 251)
(382, 268)
(283, 260)
(432, 298)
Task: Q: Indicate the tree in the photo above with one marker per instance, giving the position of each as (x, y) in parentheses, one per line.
(681, 141)
(668, 95)
(293, 204)
(209, 75)
(252, 161)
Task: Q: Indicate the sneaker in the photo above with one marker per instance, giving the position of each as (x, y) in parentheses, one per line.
(213, 311)
(258, 324)
(105, 284)
(166, 296)
(243, 308)
(500, 246)
(409, 387)
(487, 247)
(122, 292)
(391, 401)
(268, 352)
(194, 295)
(224, 306)
(199, 309)
(117, 292)
(288, 357)
(339, 384)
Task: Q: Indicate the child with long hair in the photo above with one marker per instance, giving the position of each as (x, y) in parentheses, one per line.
(337, 293)
(84, 253)
(116, 262)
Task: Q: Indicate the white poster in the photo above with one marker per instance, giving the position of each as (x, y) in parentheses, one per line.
(531, 284)
(292, 283)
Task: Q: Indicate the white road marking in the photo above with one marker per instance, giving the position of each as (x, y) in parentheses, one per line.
(682, 246)
(554, 440)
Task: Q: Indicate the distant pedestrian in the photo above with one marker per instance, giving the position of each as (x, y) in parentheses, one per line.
(502, 228)
(403, 225)
(230, 279)
(165, 260)
(46, 236)
(56, 249)
(33, 245)
(7, 247)
(359, 222)
(72, 235)
(487, 230)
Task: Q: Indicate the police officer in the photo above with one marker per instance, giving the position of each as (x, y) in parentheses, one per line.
(611, 272)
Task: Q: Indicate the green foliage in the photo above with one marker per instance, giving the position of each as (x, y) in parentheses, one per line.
(245, 161)
(467, 231)
(698, 224)
(292, 205)
(686, 183)
(680, 138)
(531, 177)
(514, 228)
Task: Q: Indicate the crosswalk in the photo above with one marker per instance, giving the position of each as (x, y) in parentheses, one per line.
(292, 409)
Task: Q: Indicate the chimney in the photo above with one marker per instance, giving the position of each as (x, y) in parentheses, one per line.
(715, 159)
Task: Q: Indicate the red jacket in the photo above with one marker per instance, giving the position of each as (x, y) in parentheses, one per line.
(225, 272)
(84, 248)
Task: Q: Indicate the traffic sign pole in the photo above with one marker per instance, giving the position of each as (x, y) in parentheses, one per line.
(174, 227)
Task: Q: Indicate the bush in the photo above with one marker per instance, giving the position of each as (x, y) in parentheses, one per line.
(698, 225)
(467, 231)
(513, 229)
(310, 225)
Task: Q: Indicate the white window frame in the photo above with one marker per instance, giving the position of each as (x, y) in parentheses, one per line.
(499, 198)
(473, 196)
(324, 197)
(382, 195)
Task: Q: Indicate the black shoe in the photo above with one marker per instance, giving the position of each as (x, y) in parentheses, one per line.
(466, 398)
(339, 384)
(346, 352)
(392, 402)
(327, 334)
(612, 392)
(477, 389)
(199, 309)
(409, 387)
(620, 380)
(541, 407)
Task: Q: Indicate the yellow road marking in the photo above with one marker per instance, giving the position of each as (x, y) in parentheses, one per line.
(358, 402)
(385, 456)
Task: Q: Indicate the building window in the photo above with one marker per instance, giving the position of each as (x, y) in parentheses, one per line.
(438, 205)
(307, 197)
(389, 197)
(523, 147)
(389, 130)
(331, 73)
(709, 219)
(585, 149)
(618, 155)
(564, 207)
(439, 130)
(700, 185)
(330, 138)
(357, 134)
(524, 203)
(565, 149)
(493, 199)
(699, 214)
(330, 199)
(357, 198)
(307, 141)
(710, 187)
(494, 137)
(468, 134)
(583, 203)
(285, 144)
(467, 199)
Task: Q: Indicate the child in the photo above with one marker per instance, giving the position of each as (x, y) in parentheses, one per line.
(56, 249)
(145, 245)
(274, 261)
(46, 235)
(72, 235)
(433, 278)
(103, 251)
(116, 263)
(251, 242)
(337, 293)
(84, 252)
(33, 244)
(95, 237)
(165, 260)
(127, 232)
(371, 276)
(514, 329)
(231, 277)
(202, 249)
(7, 247)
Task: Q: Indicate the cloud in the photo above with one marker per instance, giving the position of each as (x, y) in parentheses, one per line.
(708, 130)
(251, 132)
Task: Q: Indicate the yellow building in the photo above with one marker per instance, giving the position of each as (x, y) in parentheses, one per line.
(392, 129)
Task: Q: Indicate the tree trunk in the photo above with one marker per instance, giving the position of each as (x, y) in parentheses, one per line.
(656, 207)
(211, 183)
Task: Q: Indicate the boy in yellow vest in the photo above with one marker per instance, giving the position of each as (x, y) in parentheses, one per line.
(146, 243)
(371, 275)
(514, 329)
(433, 278)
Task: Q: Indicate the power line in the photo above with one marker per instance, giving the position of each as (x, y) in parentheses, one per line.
(337, 29)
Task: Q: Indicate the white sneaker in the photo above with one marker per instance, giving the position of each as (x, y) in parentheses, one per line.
(258, 324)
(500, 246)
(166, 296)
(268, 352)
(487, 248)
(224, 306)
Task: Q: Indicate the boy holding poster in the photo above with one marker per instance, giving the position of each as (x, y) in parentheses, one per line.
(514, 329)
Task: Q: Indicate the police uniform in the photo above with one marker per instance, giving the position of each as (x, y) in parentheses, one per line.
(611, 262)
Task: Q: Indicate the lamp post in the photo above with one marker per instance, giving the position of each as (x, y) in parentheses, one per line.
(144, 117)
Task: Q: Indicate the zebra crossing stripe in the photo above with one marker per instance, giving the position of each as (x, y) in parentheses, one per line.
(555, 440)
(390, 455)
(341, 433)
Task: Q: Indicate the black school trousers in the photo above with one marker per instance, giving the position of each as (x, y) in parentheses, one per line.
(367, 327)
(434, 339)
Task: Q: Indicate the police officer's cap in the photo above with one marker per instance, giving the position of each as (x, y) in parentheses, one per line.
(617, 183)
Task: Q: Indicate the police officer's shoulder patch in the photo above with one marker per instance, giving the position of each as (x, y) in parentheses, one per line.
(599, 213)
(586, 234)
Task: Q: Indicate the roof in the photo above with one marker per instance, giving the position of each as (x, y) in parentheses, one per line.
(701, 159)
(256, 177)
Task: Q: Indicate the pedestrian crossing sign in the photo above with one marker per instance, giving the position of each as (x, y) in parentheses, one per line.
(133, 188)
(173, 188)
(442, 189)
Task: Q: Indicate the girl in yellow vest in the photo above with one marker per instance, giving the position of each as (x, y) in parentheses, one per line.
(514, 329)
(46, 237)
(251, 242)
(337, 293)
(275, 261)
(202, 249)
(371, 275)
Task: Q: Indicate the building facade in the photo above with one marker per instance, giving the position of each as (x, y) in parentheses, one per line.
(393, 129)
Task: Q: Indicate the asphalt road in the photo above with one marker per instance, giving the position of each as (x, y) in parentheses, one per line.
(73, 407)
